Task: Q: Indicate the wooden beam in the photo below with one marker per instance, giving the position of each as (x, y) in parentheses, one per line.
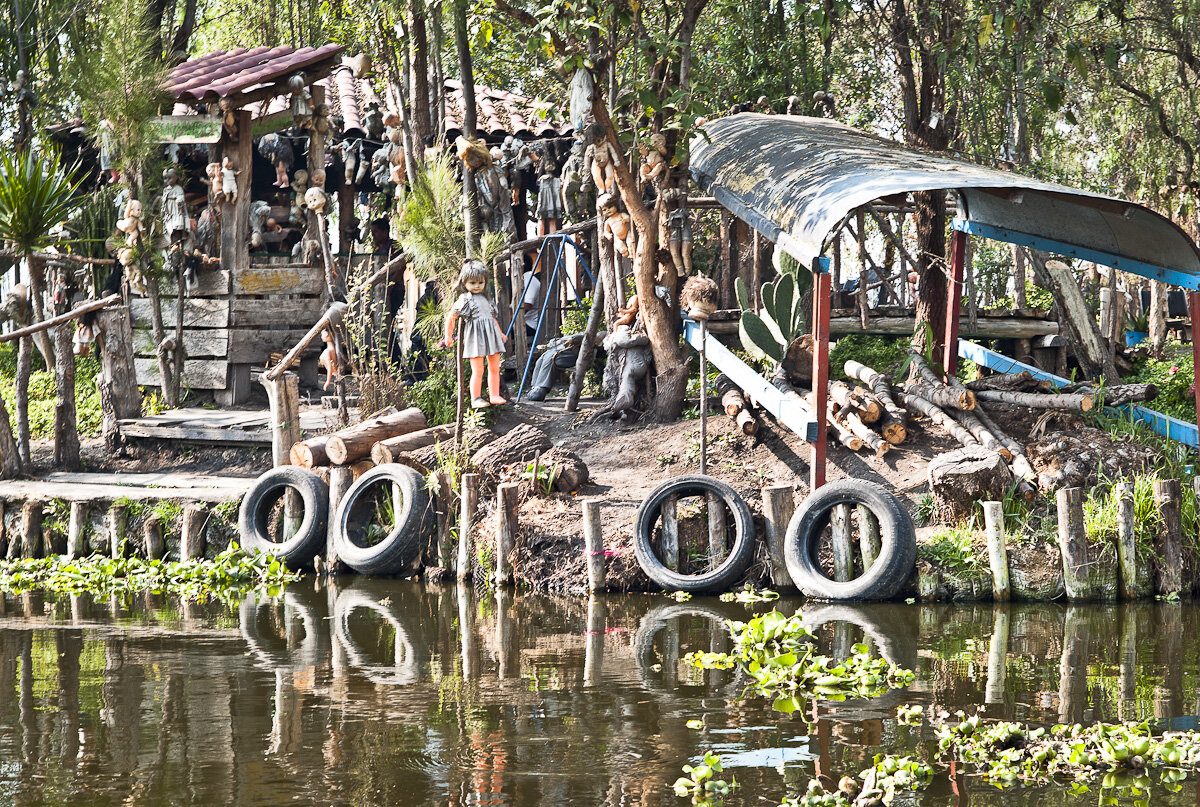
(74, 313)
(820, 370)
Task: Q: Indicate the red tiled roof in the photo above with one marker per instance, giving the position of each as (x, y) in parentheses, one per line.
(349, 97)
(499, 113)
(224, 73)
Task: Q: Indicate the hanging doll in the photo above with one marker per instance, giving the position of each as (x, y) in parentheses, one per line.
(617, 225)
(482, 337)
(328, 359)
(229, 187)
(549, 206)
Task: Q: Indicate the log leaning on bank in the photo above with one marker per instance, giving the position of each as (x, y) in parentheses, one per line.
(385, 451)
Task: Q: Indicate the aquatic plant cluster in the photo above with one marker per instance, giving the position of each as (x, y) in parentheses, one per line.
(887, 777)
(1123, 755)
(230, 575)
(778, 653)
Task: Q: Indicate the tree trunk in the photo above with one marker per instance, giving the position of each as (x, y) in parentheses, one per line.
(467, 77)
(1080, 330)
(931, 280)
(587, 349)
(66, 430)
(160, 334)
(519, 446)
(1075, 402)
(24, 366)
(1158, 316)
(37, 296)
(10, 457)
(117, 380)
(419, 97)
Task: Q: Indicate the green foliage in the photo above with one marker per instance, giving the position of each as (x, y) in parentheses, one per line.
(883, 354)
(953, 549)
(41, 394)
(1100, 511)
(229, 577)
(778, 653)
(435, 394)
(575, 317)
(37, 192)
(1172, 374)
(1035, 297)
(541, 476)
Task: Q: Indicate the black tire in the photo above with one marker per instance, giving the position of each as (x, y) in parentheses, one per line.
(657, 618)
(400, 550)
(741, 554)
(299, 550)
(408, 657)
(898, 543)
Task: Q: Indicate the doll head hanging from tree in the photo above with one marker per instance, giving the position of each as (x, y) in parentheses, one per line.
(480, 332)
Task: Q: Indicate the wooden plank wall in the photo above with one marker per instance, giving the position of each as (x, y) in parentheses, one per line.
(233, 319)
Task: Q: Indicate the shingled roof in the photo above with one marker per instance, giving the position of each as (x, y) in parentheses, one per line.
(238, 72)
(499, 113)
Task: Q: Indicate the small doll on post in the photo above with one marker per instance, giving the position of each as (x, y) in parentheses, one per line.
(482, 337)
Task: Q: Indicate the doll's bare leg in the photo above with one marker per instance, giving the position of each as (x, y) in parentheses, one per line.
(493, 365)
(476, 378)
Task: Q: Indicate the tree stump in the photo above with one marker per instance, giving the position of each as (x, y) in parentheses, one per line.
(569, 470)
(519, 446)
(964, 476)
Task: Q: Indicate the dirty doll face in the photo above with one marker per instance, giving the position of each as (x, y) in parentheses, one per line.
(475, 286)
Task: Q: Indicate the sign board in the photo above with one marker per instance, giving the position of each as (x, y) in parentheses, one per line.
(186, 129)
(275, 122)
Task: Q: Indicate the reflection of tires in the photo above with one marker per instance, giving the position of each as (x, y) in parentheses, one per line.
(399, 550)
(310, 650)
(257, 505)
(656, 619)
(741, 553)
(898, 550)
(406, 668)
(894, 640)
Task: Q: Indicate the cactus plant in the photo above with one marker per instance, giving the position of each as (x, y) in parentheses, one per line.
(781, 318)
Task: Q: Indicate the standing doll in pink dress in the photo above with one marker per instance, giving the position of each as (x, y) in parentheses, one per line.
(482, 337)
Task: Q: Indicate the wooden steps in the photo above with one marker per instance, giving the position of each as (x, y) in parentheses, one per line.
(218, 427)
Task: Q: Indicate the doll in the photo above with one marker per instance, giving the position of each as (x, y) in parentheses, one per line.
(328, 359)
(278, 150)
(617, 225)
(482, 337)
(549, 204)
(654, 158)
(228, 180)
(603, 173)
(174, 208)
(131, 224)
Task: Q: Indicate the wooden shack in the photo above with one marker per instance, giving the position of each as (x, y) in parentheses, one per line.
(243, 306)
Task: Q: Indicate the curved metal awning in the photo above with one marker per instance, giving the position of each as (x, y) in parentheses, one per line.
(794, 179)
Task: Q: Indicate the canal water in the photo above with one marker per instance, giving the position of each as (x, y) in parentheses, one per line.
(403, 693)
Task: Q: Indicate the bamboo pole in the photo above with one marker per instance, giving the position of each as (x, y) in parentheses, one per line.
(993, 517)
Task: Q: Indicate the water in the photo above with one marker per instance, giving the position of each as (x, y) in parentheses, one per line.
(397, 693)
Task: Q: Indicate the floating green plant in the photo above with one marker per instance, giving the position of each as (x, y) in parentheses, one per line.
(701, 783)
(231, 574)
(778, 653)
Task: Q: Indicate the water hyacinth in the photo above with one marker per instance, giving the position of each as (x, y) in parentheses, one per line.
(889, 776)
(229, 576)
(778, 653)
(1120, 755)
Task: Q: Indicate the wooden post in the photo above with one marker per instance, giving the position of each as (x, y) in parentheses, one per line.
(954, 289)
(868, 536)
(469, 503)
(77, 531)
(340, 479)
(445, 519)
(670, 533)
(117, 518)
(778, 506)
(1072, 665)
(993, 518)
(31, 529)
(718, 544)
(1166, 496)
(191, 542)
(507, 498)
(1127, 661)
(1072, 543)
(820, 372)
(1126, 542)
(152, 538)
(283, 396)
(593, 545)
(843, 550)
(997, 657)
(593, 649)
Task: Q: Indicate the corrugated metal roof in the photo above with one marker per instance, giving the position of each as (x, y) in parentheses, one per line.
(225, 73)
(794, 179)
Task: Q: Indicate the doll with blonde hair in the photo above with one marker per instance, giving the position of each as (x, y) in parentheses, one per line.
(482, 337)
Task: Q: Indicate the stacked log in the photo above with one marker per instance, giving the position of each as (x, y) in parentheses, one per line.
(735, 406)
(354, 443)
(893, 418)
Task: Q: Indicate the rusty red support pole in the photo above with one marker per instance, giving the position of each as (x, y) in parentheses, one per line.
(820, 370)
(954, 290)
(1194, 310)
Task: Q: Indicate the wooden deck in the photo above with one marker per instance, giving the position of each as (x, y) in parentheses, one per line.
(220, 427)
(136, 487)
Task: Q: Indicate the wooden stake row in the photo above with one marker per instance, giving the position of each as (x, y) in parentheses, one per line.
(33, 541)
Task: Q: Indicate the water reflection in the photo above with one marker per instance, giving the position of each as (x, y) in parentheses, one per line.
(376, 692)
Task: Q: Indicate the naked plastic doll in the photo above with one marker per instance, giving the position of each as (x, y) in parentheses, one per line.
(617, 225)
(228, 180)
(328, 359)
(482, 337)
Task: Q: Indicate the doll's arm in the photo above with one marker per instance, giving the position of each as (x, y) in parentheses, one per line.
(451, 321)
(503, 338)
